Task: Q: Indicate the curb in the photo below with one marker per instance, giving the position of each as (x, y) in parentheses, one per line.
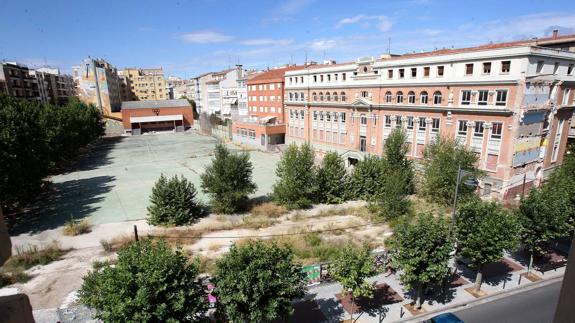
(493, 297)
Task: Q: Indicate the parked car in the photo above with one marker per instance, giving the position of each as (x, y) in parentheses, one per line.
(445, 318)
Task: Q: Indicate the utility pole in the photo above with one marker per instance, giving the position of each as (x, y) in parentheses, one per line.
(455, 196)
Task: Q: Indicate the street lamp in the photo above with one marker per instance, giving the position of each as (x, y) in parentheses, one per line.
(469, 182)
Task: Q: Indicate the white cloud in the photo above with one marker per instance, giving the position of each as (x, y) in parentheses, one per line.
(324, 44)
(266, 42)
(205, 37)
(383, 23)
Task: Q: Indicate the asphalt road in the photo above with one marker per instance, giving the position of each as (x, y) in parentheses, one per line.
(533, 306)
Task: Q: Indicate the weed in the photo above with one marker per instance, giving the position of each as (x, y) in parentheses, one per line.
(30, 255)
(75, 227)
(268, 209)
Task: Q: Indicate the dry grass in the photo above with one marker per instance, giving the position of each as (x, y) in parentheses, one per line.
(30, 255)
(116, 243)
(75, 227)
(268, 209)
(12, 275)
(421, 205)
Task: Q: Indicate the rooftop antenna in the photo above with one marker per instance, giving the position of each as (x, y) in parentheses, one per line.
(389, 45)
(306, 57)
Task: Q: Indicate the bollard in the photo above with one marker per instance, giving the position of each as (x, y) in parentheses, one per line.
(519, 283)
(504, 282)
(136, 232)
(401, 313)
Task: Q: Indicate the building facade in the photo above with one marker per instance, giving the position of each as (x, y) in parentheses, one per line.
(511, 103)
(53, 87)
(16, 80)
(143, 84)
(217, 92)
(97, 82)
(156, 115)
(264, 126)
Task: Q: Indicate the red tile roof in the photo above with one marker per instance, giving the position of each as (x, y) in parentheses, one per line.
(272, 75)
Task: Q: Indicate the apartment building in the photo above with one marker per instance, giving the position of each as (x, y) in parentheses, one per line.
(53, 87)
(511, 103)
(15, 80)
(217, 92)
(97, 82)
(264, 127)
(139, 84)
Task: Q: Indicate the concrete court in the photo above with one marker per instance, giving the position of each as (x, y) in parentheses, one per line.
(113, 181)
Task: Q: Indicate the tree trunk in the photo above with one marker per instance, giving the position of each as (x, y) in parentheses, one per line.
(352, 308)
(418, 296)
(478, 279)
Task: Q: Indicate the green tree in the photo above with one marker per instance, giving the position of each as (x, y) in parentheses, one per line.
(422, 252)
(560, 187)
(331, 179)
(258, 281)
(395, 154)
(484, 231)
(440, 161)
(149, 283)
(195, 113)
(366, 178)
(541, 221)
(173, 202)
(296, 185)
(228, 180)
(351, 268)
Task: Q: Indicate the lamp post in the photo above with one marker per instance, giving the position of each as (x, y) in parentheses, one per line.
(470, 182)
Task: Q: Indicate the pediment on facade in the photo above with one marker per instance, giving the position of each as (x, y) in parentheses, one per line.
(361, 102)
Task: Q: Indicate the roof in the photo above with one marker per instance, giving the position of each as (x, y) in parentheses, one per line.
(526, 42)
(154, 104)
(171, 117)
(275, 74)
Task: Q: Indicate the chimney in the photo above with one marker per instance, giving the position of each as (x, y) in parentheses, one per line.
(555, 33)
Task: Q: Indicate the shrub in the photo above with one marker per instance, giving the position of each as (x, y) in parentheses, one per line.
(366, 178)
(75, 227)
(149, 283)
(296, 184)
(228, 180)
(269, 209)
(173, 202)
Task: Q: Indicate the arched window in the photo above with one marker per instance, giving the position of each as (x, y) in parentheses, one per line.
(328, 116)
(301, 96)
(388, 97)
(327, 96)
(411, 97)
(314, 96)
(437, 97)
(342, 94)
(399, 97)
(423, 97)
(335, 98)
(290, 96)
(296, 96)
(321, 96)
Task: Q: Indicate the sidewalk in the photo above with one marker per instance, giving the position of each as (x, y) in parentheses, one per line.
(503, 277)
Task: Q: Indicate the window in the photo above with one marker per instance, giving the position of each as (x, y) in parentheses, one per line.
(291, 114)
(413, 72)
(465, 97)
(469, 69)
(496, 130)
(335, 77)
(315, 116)
(570, 69)
(363, 120)
(540, 65)
(423, 97)
(437, 97)
(321, 116)
(482, 98)
(421, 124)
(290, 96)
(343, 76)
(462, 128)
(557, 141)
(301, 79)
(328, 116)
(272, 87)
(315, 78)
(401, 73)
(426, 71)
(479, 129)
(410, 123)
(302, 114)
(335, 116)
(397, 122)
(387, 123)
(501, 98)
(343, 117)
(440, 70)
(321, 78)
(342, 94)
(435, 125)
(301, 96)
(399, 97)
(411, 97)
(365, 69)
(296, 96)
(555, 68)
(327, 96)
(335, 98)
(321, 96)
(389, 74)
(314, 96)
(364, 94)
(388, 97)
(487, 68)
(329, 77)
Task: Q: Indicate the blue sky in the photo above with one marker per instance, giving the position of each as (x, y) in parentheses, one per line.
(187, 38)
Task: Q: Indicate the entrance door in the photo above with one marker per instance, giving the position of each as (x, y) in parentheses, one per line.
(362, 143)
(263, 139)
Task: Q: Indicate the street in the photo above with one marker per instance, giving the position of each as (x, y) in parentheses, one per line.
(534, 306)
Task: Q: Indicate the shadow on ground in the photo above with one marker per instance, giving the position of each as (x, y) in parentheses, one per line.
(98, 155)
(70, 199)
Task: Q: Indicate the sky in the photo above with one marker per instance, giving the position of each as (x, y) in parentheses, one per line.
(190, 37)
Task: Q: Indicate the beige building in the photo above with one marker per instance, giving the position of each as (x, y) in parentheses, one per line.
(140, 84)
(97, 83)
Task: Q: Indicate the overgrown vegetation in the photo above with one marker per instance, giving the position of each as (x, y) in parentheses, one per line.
(296, 185)
(150, 282)
(76, 227)
(331, 179)
(173, 202)
(268, 209)
(228, 180)
(35, 139)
